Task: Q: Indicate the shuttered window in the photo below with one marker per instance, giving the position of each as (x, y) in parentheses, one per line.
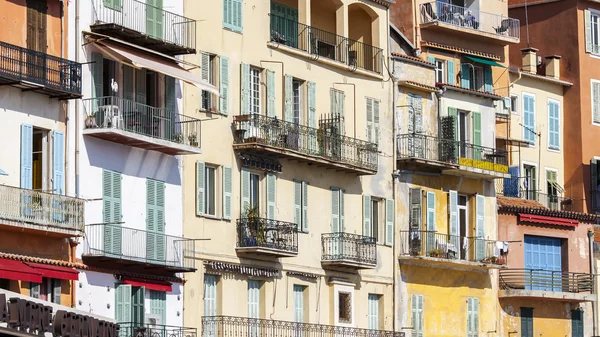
(207, 64)
(271, 195)
(596, 102)
(431, 205)
(227, 192)
(415, 208)
(155, 220)
(373, 311)
(298, 305)
(210, 295)
(529, 118)
(337, 210)
(577, 323)
(112, 211)
(592, 32)
(158, 305)
(123, 303)
(415, 113)
(480, 227)
(417, 319)
(224, 84)
(232, 15)
(553, 125)
(301, 205)
(373, 120)
(472, 317)
(271, 90)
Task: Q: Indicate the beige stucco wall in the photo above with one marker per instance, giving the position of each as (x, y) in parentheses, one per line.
(251, 46)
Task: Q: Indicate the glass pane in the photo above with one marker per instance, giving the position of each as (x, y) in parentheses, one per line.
(210, 191)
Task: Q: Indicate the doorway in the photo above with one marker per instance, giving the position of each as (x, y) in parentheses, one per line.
(462, 224)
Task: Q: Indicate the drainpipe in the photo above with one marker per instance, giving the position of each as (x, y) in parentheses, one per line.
(73, 245)
(77, 45)
(590, 235)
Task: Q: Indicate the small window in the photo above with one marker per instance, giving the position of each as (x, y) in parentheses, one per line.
(255, 91)
(211, 194)
(254, 190)
(344, 307)
(440, 68)
(297, 101)
(514, 104)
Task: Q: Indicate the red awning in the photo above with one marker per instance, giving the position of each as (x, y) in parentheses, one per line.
(149, 284)
(548, 220)
(18, 271)
(57, 272)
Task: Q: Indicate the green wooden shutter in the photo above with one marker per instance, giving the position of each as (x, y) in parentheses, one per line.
(158, 305)
(271, 195)
(488, 82)
(137, 304)
(465, 76)
(588, 31)
(367, 215)
(477, 150)
(116, 212)
(237, 15)
(140, 86)
(161, 249)
(111, 211)
(480, 226)
(335, 210)
(128, 83)
(245, 79)
(245, 199)
(431, 211)
(154, 18)
(97, 75)
(451, 76)
(271, 94)
(453, 112)
(298, 204)
(151, 219)
(200, 195)
(227, 11)
(577, 323)
(389, 222)
(289, 99)
(305, 206)
(227, 192)
(107, 200)
(123, 303)
(224, 85)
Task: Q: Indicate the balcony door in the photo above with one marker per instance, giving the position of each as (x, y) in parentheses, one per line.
(37, 40)
(284, 27)
(543, 262)
(253, 307)
(530, 182)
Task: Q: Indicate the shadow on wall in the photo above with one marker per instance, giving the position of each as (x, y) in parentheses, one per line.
(135, 162)
(445, 278)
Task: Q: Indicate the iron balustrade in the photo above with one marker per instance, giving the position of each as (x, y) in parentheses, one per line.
(22, 64)
(452, 247)
(267, 233)
(325, 44)
(514, 187)
(274, 132)
(421, 146)
(147, 20)
(111, 112)
(41, 208)
(349, 247)
(116, 241)
(154, 330)
(464, 17)
(546, 280)
(230, 326)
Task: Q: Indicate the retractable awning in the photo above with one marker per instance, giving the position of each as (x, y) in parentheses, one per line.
(18, 271)
(149, 284)
(484, 61)
(154, 63)
(57, 272)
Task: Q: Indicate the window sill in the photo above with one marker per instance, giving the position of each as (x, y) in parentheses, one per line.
(212, 217)
(553, 149)
(240, 32)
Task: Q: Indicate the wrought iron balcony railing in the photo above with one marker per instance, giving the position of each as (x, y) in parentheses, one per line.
(546, 280)
(267, 233)
(515, 187)
(450, 247)
(41, 208)
(321, 43)
(154, 330)
(152, 22)
(229, 326)
(53, 73)
(348, 247)
(421, 146)
(332, 146)
(111, 112)
(463, 17)
(147, 247)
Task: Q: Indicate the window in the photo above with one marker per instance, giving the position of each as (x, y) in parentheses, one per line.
(592, 29)
(417, 318)
(577, 323)
(112, 211)
(440, 66)
(37, 32)
(372, 120)
(472, 317)
(34, 290)
(526, 322)
(596, 102)
(211, 193)
(210, 295)
(337, 210)
(373, 311)
(463, 132)
(375, 219)
(255, 91)
(373, 224)
(299, 304)
(129, 304)
(553, 125)
(232, 15)
(297, 102)
(553, 189)
(477, 78)
(416, 214)
(253, 299)
(529, 182)
(158, 305)
(301, 205)
(344, 307)
(514, 104)
(254, 190)
(529, 118)
(208, 63)
(338, 98)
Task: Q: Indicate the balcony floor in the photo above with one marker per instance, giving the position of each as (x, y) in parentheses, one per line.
(265, 251)
(474, 172)
(454, 264)
(38, 88)
(473, 34)
(132, 265)
(423, 165)
(346, 264)
(32, 227)
(141, 39)
(278, 152)
(141, 141)
(546, 295)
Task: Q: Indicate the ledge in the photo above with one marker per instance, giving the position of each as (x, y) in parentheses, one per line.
(141, 141)
(453, 264)
(546, 295)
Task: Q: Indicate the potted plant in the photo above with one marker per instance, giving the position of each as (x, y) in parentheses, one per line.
(193, 138)
(178, 138)
(490, 260)
(436, 252)
(415, 246)
(255, 228)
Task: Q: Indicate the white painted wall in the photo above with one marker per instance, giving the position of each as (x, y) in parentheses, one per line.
(467, 102)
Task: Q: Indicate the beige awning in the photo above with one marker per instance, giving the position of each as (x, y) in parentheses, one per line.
(154, 63)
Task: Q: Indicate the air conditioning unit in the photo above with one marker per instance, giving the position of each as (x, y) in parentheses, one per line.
(153, 321)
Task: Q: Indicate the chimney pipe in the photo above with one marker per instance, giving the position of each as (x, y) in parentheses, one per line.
(529, 60)
(553, 66)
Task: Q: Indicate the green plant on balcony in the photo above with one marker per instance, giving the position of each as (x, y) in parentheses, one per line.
(436, 252)
(178, 138)
(256, 228)
(193, 139)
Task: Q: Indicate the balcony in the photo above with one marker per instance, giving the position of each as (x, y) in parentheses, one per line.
(112, 246)
(230, 326)
(349, 251)
(134, 124)
(428, 153)
(145, 25)
(320, 147)
(470, 23)
(546, 284)
(267, 237)
(52, 213)
(323, 44)
(31, 70)
(430, 248)
(154, 330)
(511, 187)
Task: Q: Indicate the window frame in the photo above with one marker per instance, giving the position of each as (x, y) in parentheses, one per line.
(554, 101)
(206, 103)
(254, 200)
(532, 96)
(208, 191)
(297, 101)
(595, 38)
(347, 299)
(532, 192)
(514, 104)
(440, 72)
(477, 77)
(255, 91)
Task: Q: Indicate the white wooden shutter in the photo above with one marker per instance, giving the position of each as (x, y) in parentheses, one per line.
(480, 226)
(431, 211)
(596, 101)
(342, 225)
(245, 92)
(376, 122)
(298, 204)
(373, 311)
(298, 303)
(588, 31)
(367, 215)
(245, 195)
(370, 119)
(271, 111)
(472, 317)
(224, 85)
(417, 319)
(289, 99)
(253, 299)
(454, 231)
(200, 195)
(389, 222)
(227, 192)
(335, 210)
(305, 206)
(271, 195)
(210, 295)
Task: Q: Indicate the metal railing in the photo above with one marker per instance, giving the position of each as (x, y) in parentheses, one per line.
(546, 280)
(111, 112)
(41, 208)
(432, 148)
(322, 43)
(110, 240)
(22, 64)
(440, 11)
(513, 187)
(267, 233)
(451, 247)
(349, 247)
(147, 20)
(229, 326)
(154, 330)
(310, 141)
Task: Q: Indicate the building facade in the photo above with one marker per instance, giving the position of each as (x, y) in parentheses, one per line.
(294, 193)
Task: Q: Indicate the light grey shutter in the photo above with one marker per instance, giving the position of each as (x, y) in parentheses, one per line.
(389, 222)
(418, 101)
(305, 206)
(289, 99)
(227, 192)
(431, 211)
(245, 198)
(210, 297)
(376, 121)
(342, 225)
(298, 204)
(335, 210)
(367, 215)
(480, 226)
(271, 195)
(454, 232)
(312, 105)
(588, 31)
(224, 87)
(411, 113)
(271, 112)
(200, 170)
(245, 80)
(205, 64)
(369, 119)
(596, 101)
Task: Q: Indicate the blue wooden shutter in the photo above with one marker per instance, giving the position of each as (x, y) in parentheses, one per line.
(271, 94)
(389, 222)
(367, 215)
(158, 305)
(26, 156)
(271, 195)
(488, 82)
(480, 226)
(529, 118)
(465, 76)
(200, 188)
(553, 125)
(58, 173)
(227, 11)
(511, 185)
(227, 192)
(451, 76)
(431, 59)
(224, 85)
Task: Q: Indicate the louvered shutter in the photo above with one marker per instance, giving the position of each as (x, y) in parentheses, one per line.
(253, 299)
(227, 192)
(376, 121)
(367, 216)
(305, 206)
(312, 105)
(431, 211)
(271, 195)
(594, 183)
(158, 304)
(27, 157)
(588, 31)
(58, 173)
(289, 99)
(160, 250)
(465, 76)
(210, 296)
(342, 225)
(451, 76)
(480, 226)
(200, 194)
(224, 85)
(123, 306)
(205, 65)
(596, 101)
(151, 220)
(298, 204)
(237, 15)
(488, 82)
(529, 118)
(477, 149)
(271, 94)
(469, 317)
(553, 125)
(245, 79)
(526, 322)
(415, 208)
(389, 222)
(335, 210)
(170, 106)
(418, 106)
(245, 189)
(370, 135)
(417, 315)
(453, 210)
(475, 302)
(373, 311)
(298, 304)
(411, 113)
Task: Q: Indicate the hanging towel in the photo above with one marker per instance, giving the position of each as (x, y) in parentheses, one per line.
(505, 247)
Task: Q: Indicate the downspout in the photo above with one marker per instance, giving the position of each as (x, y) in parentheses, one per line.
(590, 235)
(394, 83)
(73, 245)
(64, 104)
(77, 43)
